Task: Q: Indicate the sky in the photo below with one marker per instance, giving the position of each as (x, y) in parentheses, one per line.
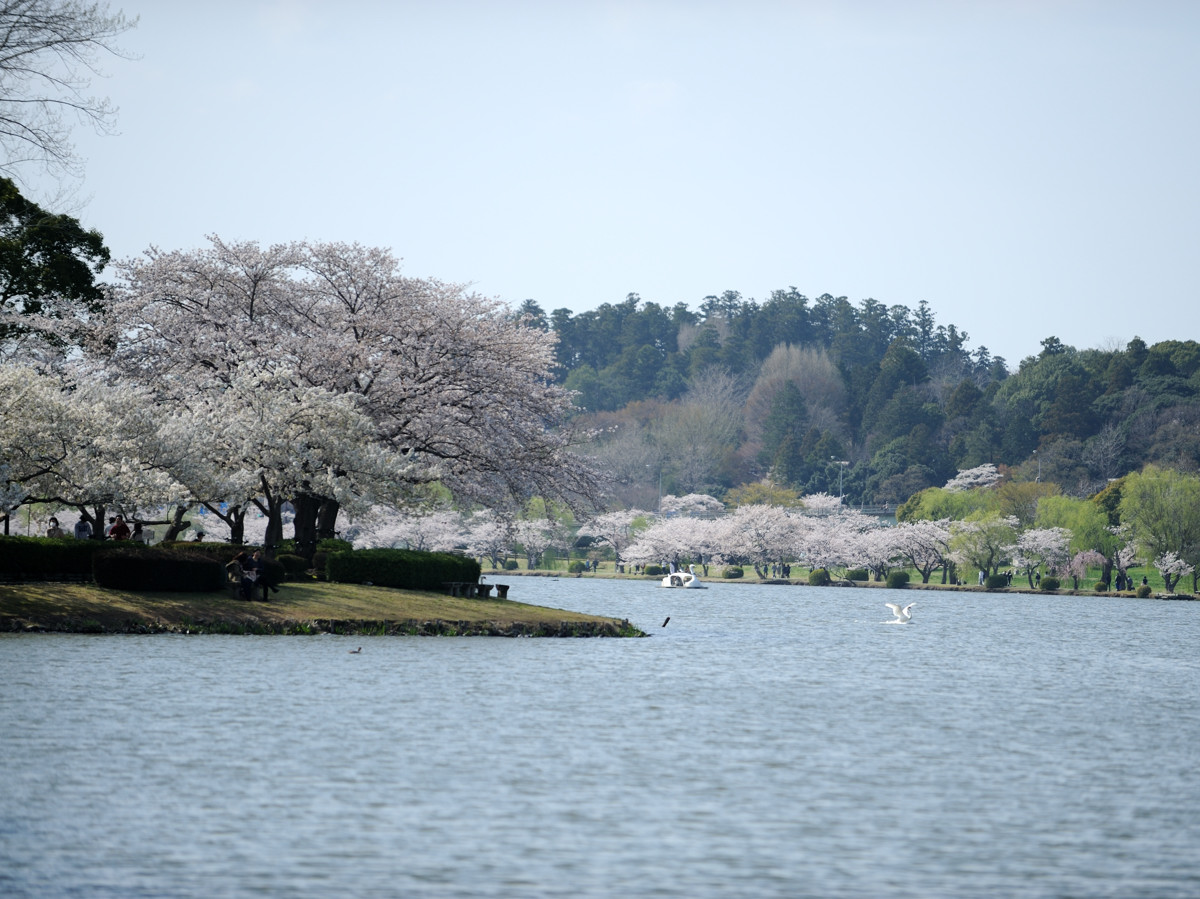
(1027, 168)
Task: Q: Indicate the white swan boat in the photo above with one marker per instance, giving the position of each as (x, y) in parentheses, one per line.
(683, 579)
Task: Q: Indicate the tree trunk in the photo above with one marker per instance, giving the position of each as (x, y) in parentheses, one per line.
(271, 505)
(177, 525)
(305, 534)
(327, 519)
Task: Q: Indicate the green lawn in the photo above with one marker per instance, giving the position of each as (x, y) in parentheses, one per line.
(88, 607)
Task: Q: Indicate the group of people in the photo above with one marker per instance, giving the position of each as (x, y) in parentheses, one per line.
(118, 529)
(247, 571)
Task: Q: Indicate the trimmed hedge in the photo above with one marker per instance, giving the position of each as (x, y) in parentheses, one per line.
(147, 569)
(732, 573)
(47, 557)
(1143, 590)
(273, 573)
(857, 574)
(1050, 583)
(405, 568)
(293, 564)
(819, 578)
(897, 580)
(655, 570)
(996, 581)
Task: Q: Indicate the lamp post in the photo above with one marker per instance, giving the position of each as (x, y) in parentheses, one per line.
(841, 464)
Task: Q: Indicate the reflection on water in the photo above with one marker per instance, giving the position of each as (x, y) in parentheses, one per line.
(769, 741)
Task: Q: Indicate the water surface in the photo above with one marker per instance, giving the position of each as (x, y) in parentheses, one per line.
(769, 741)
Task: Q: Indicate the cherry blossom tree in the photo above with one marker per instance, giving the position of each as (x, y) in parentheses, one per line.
(450, 381)
(617, 529)
(925, 545)
(821, 504)
(1082, 561)
(535, 535)
(691, 504)
(756, 535)
(682, 538)
(490, 536)
(83, 444)
(1172, 568)
(972, 478)
(1041, 547)
(384, 527)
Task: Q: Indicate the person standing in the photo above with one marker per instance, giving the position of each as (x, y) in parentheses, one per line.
(83, 530)
(54, 530)
(119, 530)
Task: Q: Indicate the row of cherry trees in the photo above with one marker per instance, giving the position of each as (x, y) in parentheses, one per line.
(316, 374)
(1057, 535)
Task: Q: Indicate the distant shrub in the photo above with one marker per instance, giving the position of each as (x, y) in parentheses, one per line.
(293, 564)
(733, 572)
(1143, 590)
(1050, 583)
(511, 564)
(45, 557)
(897, 580)
(130, 568)
(404, 568)
(857, 574)
(273, 574)
(996, 581)
(819, 578)
(334, 545)
(576, 568)
(320, 562)
(655, 570)
(1101, 587)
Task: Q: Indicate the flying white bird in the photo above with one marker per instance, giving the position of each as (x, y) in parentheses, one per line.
(903, 616)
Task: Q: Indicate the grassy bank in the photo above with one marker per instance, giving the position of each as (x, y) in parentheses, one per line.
(302, 607)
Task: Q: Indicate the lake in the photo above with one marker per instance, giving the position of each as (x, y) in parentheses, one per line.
(768, 741)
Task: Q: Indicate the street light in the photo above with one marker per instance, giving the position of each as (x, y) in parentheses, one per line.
(841, 463)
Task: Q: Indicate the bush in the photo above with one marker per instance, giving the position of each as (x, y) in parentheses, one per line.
(732, 573)
(655, 570)
(897, 580)
(44, 557)
(996, 581)
(1143, 590)
(130, 568)
(404, 568)
(273, 573)
(334, 545)
(1101, 587)
(511, 564)
(292, 564)
(1050, 583)
(576, 568)
(857, 574)
(819, 578)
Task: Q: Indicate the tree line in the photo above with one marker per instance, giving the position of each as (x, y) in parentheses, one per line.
(883, 399)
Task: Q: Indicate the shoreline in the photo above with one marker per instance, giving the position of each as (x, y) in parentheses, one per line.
(299, 608)
(870, 585)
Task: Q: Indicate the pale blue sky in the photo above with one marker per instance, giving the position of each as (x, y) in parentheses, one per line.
(1028, 168)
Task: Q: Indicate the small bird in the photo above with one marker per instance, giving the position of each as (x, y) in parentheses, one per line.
(903, 616)
(354, 651)
(664, 624)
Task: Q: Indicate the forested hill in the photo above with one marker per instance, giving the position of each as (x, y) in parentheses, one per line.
(708, 400)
